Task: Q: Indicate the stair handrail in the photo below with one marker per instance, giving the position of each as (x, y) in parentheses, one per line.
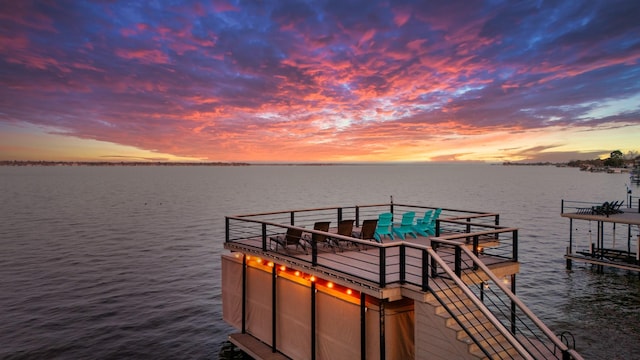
(517, 345)
(554, 339)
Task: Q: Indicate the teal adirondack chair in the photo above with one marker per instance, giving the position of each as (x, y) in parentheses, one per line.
(406, 225)
(385, 221)
(423, 226)
(426, 227)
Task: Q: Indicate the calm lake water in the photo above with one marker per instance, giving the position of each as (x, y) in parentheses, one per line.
(124, 262)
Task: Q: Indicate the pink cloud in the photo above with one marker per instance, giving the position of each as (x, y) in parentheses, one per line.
(223, 6)
(145, 56)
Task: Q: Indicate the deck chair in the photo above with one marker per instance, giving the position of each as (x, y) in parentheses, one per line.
(345, 228)
(367, 231)
(406, 225)
(292, 237)
(616, 207)
(423, 226)
(426, 227)
(607, 208)
(385, 220)
(315, 239)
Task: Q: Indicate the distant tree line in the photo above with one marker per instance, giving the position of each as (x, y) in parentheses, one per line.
(616, 159)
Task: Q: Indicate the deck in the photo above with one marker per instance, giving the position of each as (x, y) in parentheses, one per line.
(457, 281)
(602, 246)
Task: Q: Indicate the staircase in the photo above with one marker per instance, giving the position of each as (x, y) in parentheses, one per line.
(469, 323)
(479, 318)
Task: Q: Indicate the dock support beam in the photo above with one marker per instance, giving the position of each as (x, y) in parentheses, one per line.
(382, 345)
(244, 293)
(363, 326)
(274, 305)
(513, 305)
(570, 248)
(313, 320)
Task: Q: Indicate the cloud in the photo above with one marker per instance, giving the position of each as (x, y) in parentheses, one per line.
(338, 80)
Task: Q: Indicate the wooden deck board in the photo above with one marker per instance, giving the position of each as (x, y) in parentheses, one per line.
(254, 347)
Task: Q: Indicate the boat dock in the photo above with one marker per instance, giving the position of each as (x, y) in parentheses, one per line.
(297, 286)
(603, 235)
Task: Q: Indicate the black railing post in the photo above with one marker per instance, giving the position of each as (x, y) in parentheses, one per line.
(357, 216)
(425, 270)
(293, 218)
(458, 261)
(314, 252)
(391, 205)
(628, 239)
(476, 245)
(403, 267)
(515, 245)
(339, 214)
(562, 206)
(264, 237)
(273, 309)
(226, 229)
(434, 264)
(383, 267)
(437, 227)
(476, 250)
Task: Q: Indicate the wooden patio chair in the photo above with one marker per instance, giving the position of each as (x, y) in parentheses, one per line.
(345, 228)
(292, 237)
(315, 239)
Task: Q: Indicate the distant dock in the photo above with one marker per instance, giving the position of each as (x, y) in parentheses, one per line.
(297, 292)
(601, 237)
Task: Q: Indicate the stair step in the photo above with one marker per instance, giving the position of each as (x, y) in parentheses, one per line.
(447, 300)
(449, 293)
(472, 320)
(509, 353)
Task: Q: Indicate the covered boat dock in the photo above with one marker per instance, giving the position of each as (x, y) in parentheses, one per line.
(603, 236)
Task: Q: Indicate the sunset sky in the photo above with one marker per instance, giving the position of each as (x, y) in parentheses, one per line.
(319, 81)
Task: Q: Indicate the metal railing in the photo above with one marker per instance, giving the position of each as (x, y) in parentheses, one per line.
(387, 264)
(470, 273)
(634, 202)
(582, 207)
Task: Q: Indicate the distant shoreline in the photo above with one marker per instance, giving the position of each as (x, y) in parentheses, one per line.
(155, 163)
(118, 163)
(219, 163)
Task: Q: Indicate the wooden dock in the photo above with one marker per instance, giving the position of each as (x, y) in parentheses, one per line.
(603, 248)
(421, 297)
